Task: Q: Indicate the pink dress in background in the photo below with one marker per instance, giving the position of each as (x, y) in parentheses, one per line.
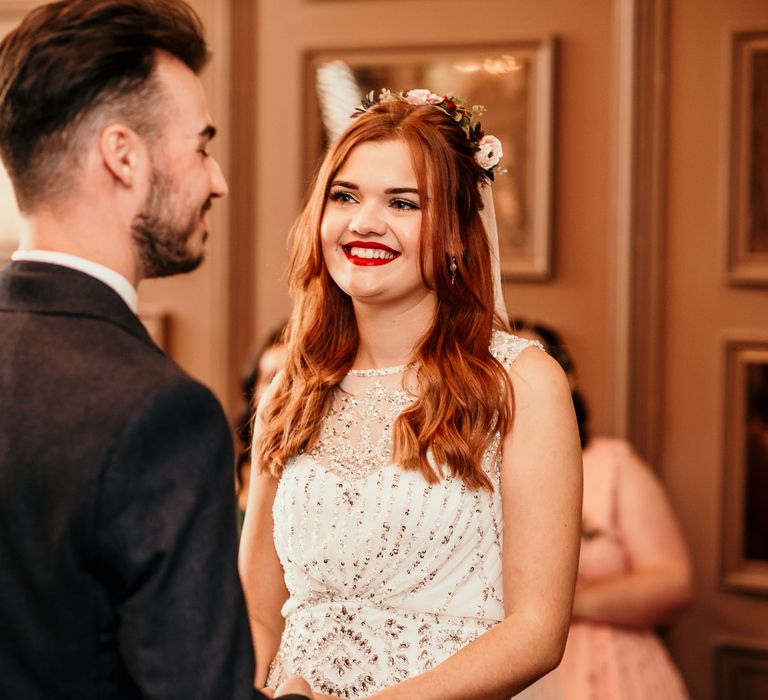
(602, 661)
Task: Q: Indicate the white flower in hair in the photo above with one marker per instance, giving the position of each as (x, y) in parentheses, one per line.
(489, 152)
(417, 97)
(386, 95)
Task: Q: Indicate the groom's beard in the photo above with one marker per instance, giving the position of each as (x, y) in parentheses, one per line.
(161, 238)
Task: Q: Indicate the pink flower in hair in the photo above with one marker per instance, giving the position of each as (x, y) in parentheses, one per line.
(417, 97)
(489, 152)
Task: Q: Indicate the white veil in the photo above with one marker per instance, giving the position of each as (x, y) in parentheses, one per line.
(488, 217)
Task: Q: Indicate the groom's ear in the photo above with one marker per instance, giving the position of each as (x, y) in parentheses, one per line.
(125, 155)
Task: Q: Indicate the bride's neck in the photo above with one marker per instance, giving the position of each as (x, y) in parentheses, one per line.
(390, 335)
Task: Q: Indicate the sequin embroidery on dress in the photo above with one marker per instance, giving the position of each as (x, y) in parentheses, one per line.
(387, 575)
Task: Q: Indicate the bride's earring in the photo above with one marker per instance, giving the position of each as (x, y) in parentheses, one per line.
(452, 267)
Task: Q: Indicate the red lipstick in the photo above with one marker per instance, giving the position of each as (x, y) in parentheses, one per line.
(369, 253)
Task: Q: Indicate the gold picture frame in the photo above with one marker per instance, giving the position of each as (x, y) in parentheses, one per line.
(747, 224)
(745, 464)
(741, 668)
(514, 80)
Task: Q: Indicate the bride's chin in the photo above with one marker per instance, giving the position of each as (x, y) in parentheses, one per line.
(363, 292)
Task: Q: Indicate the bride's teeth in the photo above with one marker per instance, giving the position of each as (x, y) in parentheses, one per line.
(372, 253)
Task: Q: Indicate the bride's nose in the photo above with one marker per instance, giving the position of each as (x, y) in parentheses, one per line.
(367, 221)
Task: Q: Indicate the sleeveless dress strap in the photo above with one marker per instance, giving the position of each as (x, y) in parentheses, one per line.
(505, 347)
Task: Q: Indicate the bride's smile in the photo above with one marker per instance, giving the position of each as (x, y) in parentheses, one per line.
(369, 253)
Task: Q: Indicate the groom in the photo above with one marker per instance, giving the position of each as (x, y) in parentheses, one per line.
(118, 575)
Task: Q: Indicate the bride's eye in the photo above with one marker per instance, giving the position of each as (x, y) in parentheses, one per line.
(341, 196)
(404, 204)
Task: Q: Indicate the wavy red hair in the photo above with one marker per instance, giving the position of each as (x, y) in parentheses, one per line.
(465, 394)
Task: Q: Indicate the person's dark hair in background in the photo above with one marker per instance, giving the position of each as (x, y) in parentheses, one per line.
(266, 362)
(555, 346)
(254, 377)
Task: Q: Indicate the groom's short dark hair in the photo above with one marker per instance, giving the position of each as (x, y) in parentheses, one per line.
(67, 61)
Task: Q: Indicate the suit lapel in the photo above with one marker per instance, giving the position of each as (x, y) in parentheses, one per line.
(43, 288)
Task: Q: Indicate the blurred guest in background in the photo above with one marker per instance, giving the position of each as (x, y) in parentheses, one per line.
(266, 363)
(634, 570)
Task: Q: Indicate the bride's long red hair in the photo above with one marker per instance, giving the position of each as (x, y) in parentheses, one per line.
(464, 393)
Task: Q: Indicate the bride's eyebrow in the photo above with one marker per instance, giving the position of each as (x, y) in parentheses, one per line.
(391, 190)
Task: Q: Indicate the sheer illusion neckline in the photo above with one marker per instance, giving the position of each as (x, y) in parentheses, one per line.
(383, 372)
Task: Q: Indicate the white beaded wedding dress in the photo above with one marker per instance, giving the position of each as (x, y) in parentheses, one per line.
(387, 574)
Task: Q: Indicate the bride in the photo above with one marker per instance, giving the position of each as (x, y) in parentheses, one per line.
(413, 529)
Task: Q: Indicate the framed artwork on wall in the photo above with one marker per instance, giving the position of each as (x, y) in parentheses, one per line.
(747, 227)
(745, 465)
(741, 669)
(514, 81)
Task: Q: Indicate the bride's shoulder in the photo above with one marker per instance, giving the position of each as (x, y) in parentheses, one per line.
(506, 347)
(539, 384)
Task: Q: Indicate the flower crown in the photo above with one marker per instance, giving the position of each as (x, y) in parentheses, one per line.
(488, 152)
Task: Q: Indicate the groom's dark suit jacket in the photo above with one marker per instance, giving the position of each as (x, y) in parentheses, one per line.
(118, 574)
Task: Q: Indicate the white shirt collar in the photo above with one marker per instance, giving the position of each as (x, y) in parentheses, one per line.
(105, 274)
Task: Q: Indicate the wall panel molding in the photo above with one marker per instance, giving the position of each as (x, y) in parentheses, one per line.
(243, 126)
(741, 670)
(641, 177)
